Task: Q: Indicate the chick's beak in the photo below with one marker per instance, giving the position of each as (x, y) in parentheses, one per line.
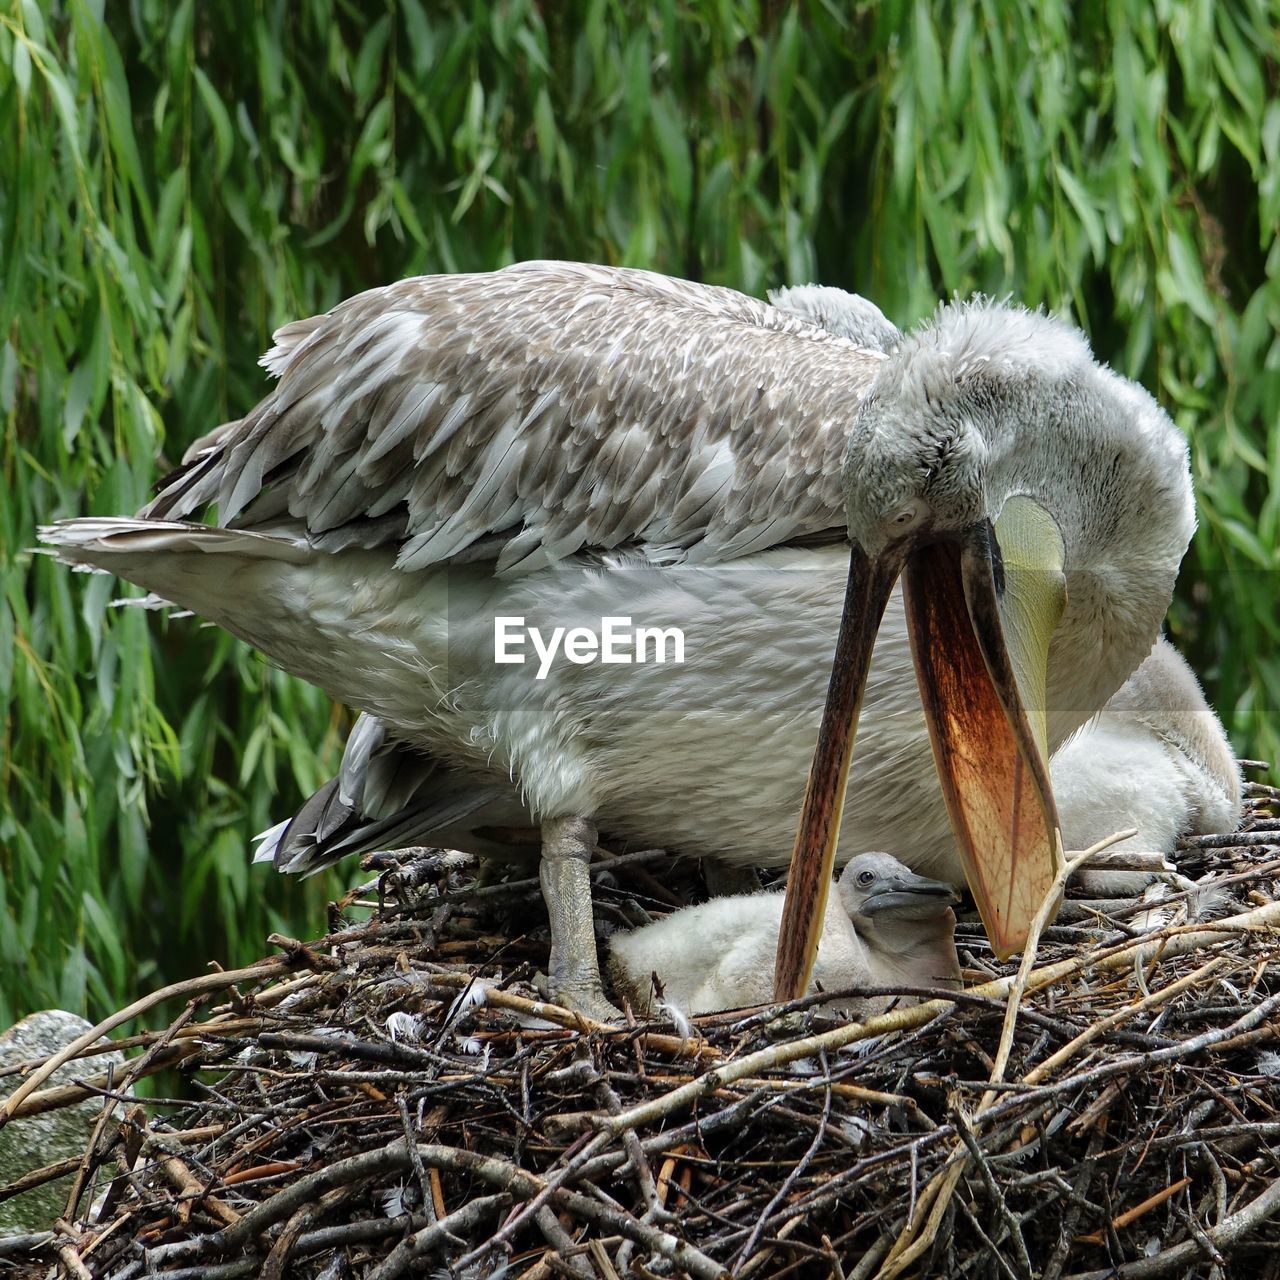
(910, 892)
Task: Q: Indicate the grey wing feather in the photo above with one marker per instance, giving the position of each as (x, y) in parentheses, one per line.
(389, 796)
(561, 405)
(567, 444)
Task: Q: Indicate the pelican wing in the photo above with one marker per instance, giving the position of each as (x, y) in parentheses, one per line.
(529, 413)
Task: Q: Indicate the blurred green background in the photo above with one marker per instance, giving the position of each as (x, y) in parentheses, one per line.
(177, 180)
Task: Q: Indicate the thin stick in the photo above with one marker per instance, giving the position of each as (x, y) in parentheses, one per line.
(176, 990)
(1046, 910)
(1130, 1216)
(1094, 1030)
(402, 1257)
(1222, 1237)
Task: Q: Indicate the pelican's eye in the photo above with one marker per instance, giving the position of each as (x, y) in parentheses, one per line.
(906, 516)
(865, 878)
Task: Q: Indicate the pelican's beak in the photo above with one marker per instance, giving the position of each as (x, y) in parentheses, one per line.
(981, 610)
(866, 595)
(981, 613)
(910, 894)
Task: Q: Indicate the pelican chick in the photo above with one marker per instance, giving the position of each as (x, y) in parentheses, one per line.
(1155, 758)
(884, 926)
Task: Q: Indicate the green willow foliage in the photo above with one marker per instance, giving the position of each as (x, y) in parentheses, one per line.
(176, 180)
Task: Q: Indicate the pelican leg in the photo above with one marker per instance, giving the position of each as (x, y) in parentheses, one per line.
(566, 888)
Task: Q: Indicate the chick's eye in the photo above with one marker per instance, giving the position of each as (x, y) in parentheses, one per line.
(865, 877)
(905, 516)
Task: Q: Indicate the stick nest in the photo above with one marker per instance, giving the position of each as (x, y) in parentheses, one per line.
(395, 1099)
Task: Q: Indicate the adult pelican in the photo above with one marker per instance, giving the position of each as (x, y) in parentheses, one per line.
(1155, 758)
(568, 443)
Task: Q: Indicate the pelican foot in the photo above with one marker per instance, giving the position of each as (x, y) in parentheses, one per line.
(787, 1026)
(594, 1004)
(591, 1004)
(574, 978)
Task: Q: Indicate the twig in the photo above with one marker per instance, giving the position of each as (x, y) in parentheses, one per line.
(1222, 1237)
(186, 1182)
(395, 1158)
(911, 1244)
(1145, 1005)
(1067, 1230)
(71, 1260)
(1237, 840)
(560, 1240)
(177, 990)
(1130, 1216)
(790, 1180)
(993, 1249)
(1038, 922)
(38, 1177)
(29, 1242)
(132, 1072)
(545, 1191)
(1014, 1228)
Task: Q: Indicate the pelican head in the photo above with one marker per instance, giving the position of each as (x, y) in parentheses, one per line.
(974, 464)
(878, 885)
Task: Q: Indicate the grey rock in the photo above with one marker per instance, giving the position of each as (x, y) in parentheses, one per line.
(36, 1141)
